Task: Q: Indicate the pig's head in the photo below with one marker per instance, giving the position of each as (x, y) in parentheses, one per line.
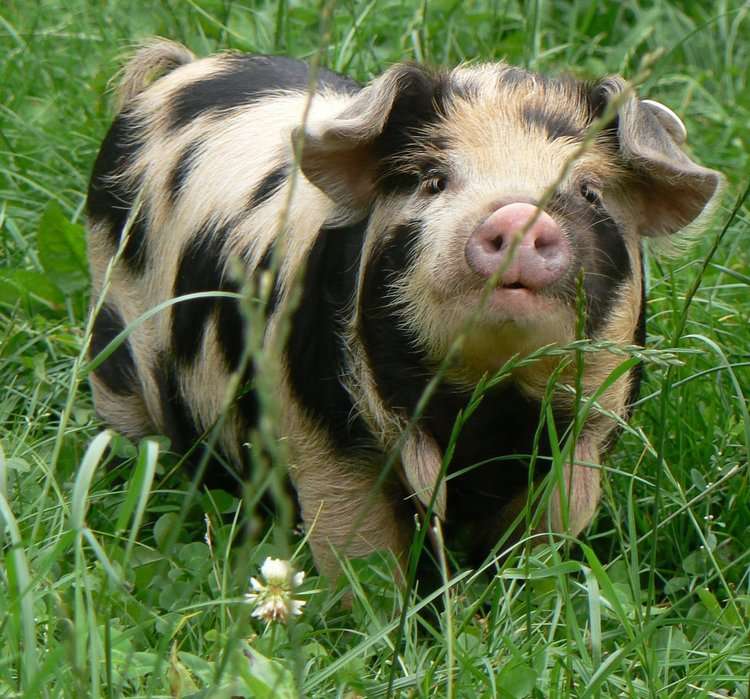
(450, 169)
(482, 197)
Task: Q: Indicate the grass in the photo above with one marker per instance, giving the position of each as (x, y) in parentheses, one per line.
(118, 580)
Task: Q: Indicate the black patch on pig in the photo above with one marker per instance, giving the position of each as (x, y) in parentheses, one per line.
(181, 171)
(201, 268)
(230, 326)
(597, 96)
(495, 445)
(110, 199)
(231, 332)
(553, 123)
(636, 374)
(640, 331)
(231, 323)
(420, 102)
(118, 371)
(244, 80)
(599, 246)
(179, 424)
(178, 420)
(514, 77)
(609, 267)
(397, 363)
(268, 186)
(315, 353)
(264, 264)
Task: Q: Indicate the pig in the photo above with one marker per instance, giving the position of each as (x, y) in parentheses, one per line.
(412, 236)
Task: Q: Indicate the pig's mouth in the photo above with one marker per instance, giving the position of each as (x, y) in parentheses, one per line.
(515, 301)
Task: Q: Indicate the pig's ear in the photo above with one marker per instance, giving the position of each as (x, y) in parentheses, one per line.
(343, 154)
(670, 189)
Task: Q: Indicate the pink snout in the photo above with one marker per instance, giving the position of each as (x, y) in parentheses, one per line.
(541, 256)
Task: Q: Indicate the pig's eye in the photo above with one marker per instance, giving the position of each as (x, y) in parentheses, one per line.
(590, 195)
(434, 184)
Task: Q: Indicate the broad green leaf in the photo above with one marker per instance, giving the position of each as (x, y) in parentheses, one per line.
(709, 601)
(30, 288)
(163, 528)
(266, 678)
(671, 646)
(516, 681)
(62, 250)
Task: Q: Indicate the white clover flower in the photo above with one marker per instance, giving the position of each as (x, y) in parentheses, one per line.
(273, 598)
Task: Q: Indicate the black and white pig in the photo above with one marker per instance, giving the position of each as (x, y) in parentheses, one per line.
(414, 194)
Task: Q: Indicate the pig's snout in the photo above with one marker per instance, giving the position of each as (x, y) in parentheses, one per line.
(541, 256)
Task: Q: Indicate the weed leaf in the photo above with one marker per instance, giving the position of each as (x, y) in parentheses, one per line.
(62, 250)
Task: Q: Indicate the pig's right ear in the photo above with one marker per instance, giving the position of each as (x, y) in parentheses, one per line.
(341, 155)
(670, 189)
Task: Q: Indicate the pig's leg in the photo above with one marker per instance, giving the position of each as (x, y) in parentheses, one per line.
(582, 490)
(347, 514)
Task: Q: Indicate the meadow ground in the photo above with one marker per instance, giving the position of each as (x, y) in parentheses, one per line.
(109, 584)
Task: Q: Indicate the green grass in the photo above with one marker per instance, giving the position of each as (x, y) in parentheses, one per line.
(109, 585)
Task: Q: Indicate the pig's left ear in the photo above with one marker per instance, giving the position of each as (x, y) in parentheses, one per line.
(342, 154)
(671, 189)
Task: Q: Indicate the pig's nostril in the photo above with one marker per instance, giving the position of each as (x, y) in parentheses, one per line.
(548, 244)
(542, 242)
(494, 244)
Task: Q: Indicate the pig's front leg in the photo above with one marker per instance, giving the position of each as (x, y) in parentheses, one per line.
(348, 514)
(581, 490)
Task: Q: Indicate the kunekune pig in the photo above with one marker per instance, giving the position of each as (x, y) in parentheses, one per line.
(413, 194)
